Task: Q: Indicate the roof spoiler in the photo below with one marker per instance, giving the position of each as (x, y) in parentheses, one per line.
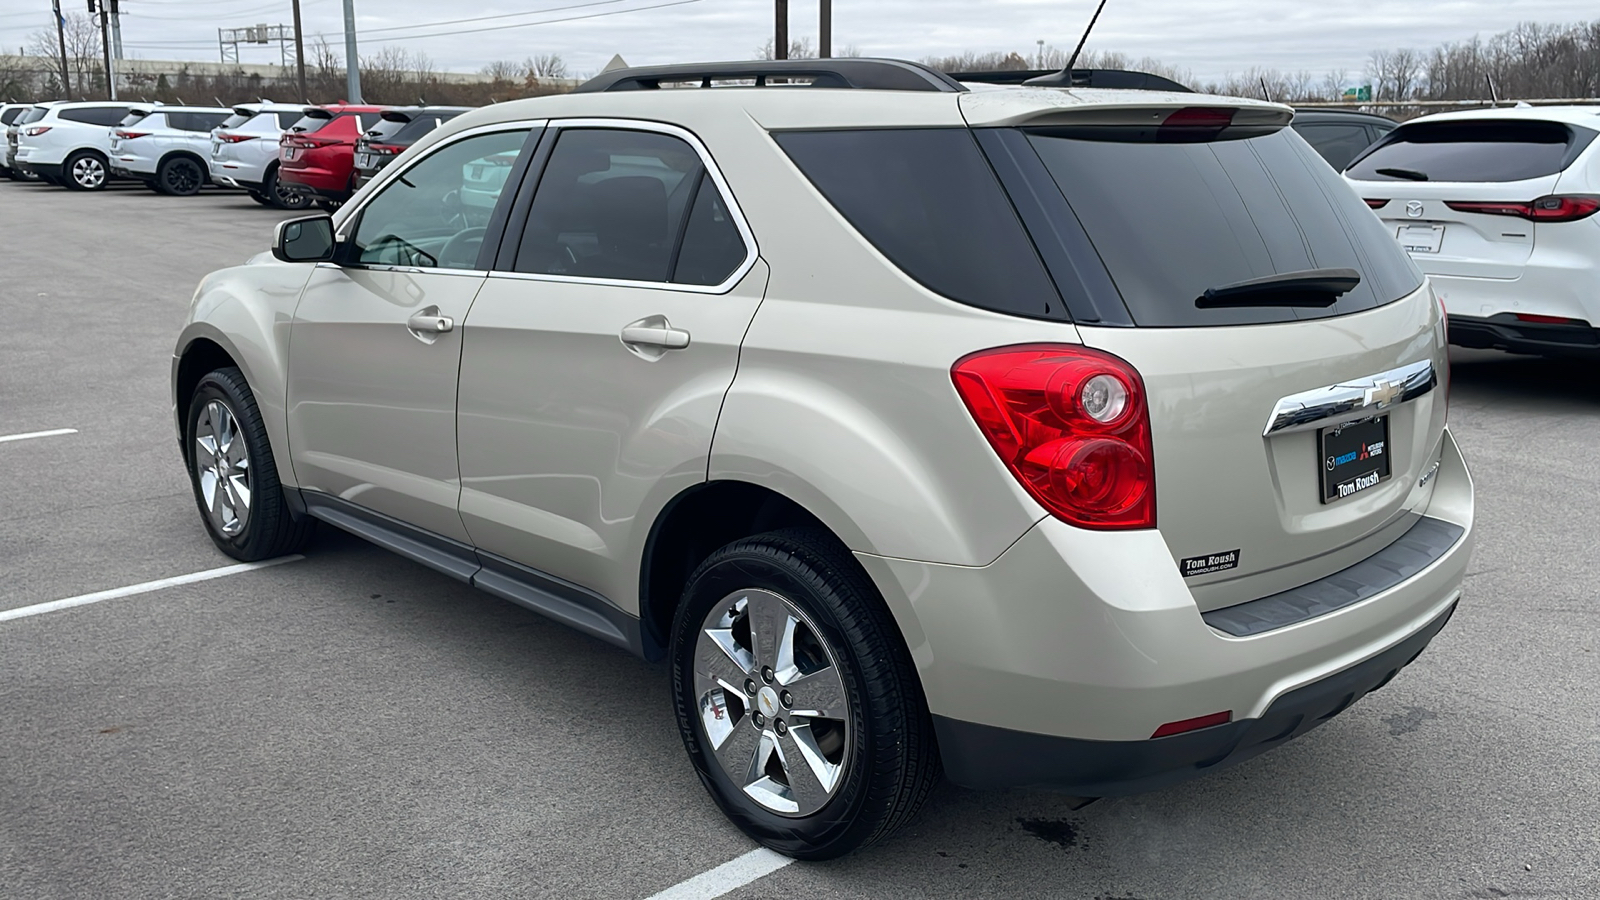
(1114, 79)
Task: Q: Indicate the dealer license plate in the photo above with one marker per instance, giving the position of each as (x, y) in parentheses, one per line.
(1355, 457)
(1420, 238)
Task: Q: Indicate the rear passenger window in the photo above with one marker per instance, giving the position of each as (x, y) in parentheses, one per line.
(1473, 151)
(927, 199)
(198, 122)
(629, 205)
(97, 115)
(1338, 144)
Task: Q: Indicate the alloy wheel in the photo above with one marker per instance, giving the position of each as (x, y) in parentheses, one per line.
(772, 702)
(182, 177)
(89, 172)
(222, 465)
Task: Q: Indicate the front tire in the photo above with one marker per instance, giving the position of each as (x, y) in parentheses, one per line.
(232, 472)
(180, 176)
(796, 697)
(85, 171)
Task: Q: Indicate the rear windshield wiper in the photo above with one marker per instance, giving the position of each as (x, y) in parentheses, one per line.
(1314, 288)
(1407, 174)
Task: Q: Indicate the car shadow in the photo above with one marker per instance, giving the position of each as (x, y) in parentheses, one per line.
(1494, 376)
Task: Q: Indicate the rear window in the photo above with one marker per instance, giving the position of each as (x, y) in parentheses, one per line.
(238, 118)
(133, 118)
(927, 200)
(11, 115)
(1336, 143)
(33, 115)
(409, 133)
(200, 122)
(1473, 151)
(309, 123)
(1170, 220)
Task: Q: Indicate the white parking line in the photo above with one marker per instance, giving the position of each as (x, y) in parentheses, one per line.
(6, 439)
(131, 590)
(730, 876)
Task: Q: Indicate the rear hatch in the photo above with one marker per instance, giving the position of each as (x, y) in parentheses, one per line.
(1248, 501)
(1449, 190)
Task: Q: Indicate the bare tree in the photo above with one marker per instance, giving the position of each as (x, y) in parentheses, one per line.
(83, 57)
(800, 49)
(546, 65)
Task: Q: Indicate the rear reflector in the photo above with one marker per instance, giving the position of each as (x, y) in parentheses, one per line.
(1569, 208)
(1536, 319)
(1195, 724)
(1377, 204)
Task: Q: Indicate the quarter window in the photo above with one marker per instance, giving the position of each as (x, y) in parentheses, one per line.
(435, 213)
(629, 205)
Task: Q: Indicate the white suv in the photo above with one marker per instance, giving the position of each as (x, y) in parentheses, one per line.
(1498, 207)
(70, 144)
(244, 152)
(1091, 439)
(9, 114)
(166, 147)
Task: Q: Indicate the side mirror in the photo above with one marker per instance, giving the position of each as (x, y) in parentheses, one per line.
(305, 240)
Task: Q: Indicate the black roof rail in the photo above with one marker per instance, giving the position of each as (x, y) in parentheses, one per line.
(1118, 79)
(859, 74)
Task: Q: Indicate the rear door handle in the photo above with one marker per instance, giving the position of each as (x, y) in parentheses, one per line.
(655, 332)
(427, 324)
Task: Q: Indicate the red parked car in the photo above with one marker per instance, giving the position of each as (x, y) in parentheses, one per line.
(317, 154)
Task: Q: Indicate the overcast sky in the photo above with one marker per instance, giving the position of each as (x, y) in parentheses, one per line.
(1209, 37)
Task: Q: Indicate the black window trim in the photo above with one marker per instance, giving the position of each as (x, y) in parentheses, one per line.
(518, 221)
(494, 231)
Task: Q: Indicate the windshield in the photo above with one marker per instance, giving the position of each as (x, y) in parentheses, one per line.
(1482, 150)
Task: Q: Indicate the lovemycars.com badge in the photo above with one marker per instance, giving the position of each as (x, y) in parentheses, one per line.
(1205, 565)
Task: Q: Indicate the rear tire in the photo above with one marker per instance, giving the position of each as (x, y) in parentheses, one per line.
(180, 176)
(261, 198)
(855, 755)
(277, 195)
(233, 474)
(85, 170)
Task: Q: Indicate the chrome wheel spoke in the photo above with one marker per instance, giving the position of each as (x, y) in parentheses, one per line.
(819, 695)
(738, 750)
(811, 776)
(222, 469)
(769, 623)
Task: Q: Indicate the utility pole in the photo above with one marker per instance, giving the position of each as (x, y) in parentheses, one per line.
(300, 53)
(104, 8)
(780, 38)
(352, 60)
(61, 35)
(116, 30)
(825, 41)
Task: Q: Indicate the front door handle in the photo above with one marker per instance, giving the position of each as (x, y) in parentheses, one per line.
(427, 324)
(655, 332)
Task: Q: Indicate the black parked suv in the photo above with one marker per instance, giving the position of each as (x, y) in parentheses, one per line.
(1340, 135)
(397, 130)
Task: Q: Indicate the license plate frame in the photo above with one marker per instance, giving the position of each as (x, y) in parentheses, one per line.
(366, 161)
(1420, 237)
(1354, 457)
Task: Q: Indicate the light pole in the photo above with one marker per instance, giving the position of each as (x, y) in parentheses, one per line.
(780, 38)
(352, 60)
(61, 35)
(825, 42)
(300, 53)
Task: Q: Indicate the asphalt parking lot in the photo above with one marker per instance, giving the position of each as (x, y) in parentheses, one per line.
(354, 725)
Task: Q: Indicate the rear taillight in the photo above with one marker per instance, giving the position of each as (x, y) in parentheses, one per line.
(1569, 208)
(235, 138)
(36, 130)
(1072, 425)
(1377, 204)
(130, 135)
(385, 149)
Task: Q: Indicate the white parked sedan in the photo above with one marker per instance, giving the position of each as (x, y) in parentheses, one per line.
(1498, 207)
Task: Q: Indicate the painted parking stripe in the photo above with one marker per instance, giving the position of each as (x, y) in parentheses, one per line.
(135, 589)
(55, 432)
(730, 876)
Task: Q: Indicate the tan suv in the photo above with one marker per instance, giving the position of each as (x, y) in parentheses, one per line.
(1046, 437)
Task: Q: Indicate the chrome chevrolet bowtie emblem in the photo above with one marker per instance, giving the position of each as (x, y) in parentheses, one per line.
(1384, 394)
(1414, 209)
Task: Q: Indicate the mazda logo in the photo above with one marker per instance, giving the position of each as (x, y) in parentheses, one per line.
(1414, 209)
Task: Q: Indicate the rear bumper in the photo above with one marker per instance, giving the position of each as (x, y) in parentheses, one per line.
(1055, 664)
(326, 183)
(235, 174)
(1504, 332)
(982, 756)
